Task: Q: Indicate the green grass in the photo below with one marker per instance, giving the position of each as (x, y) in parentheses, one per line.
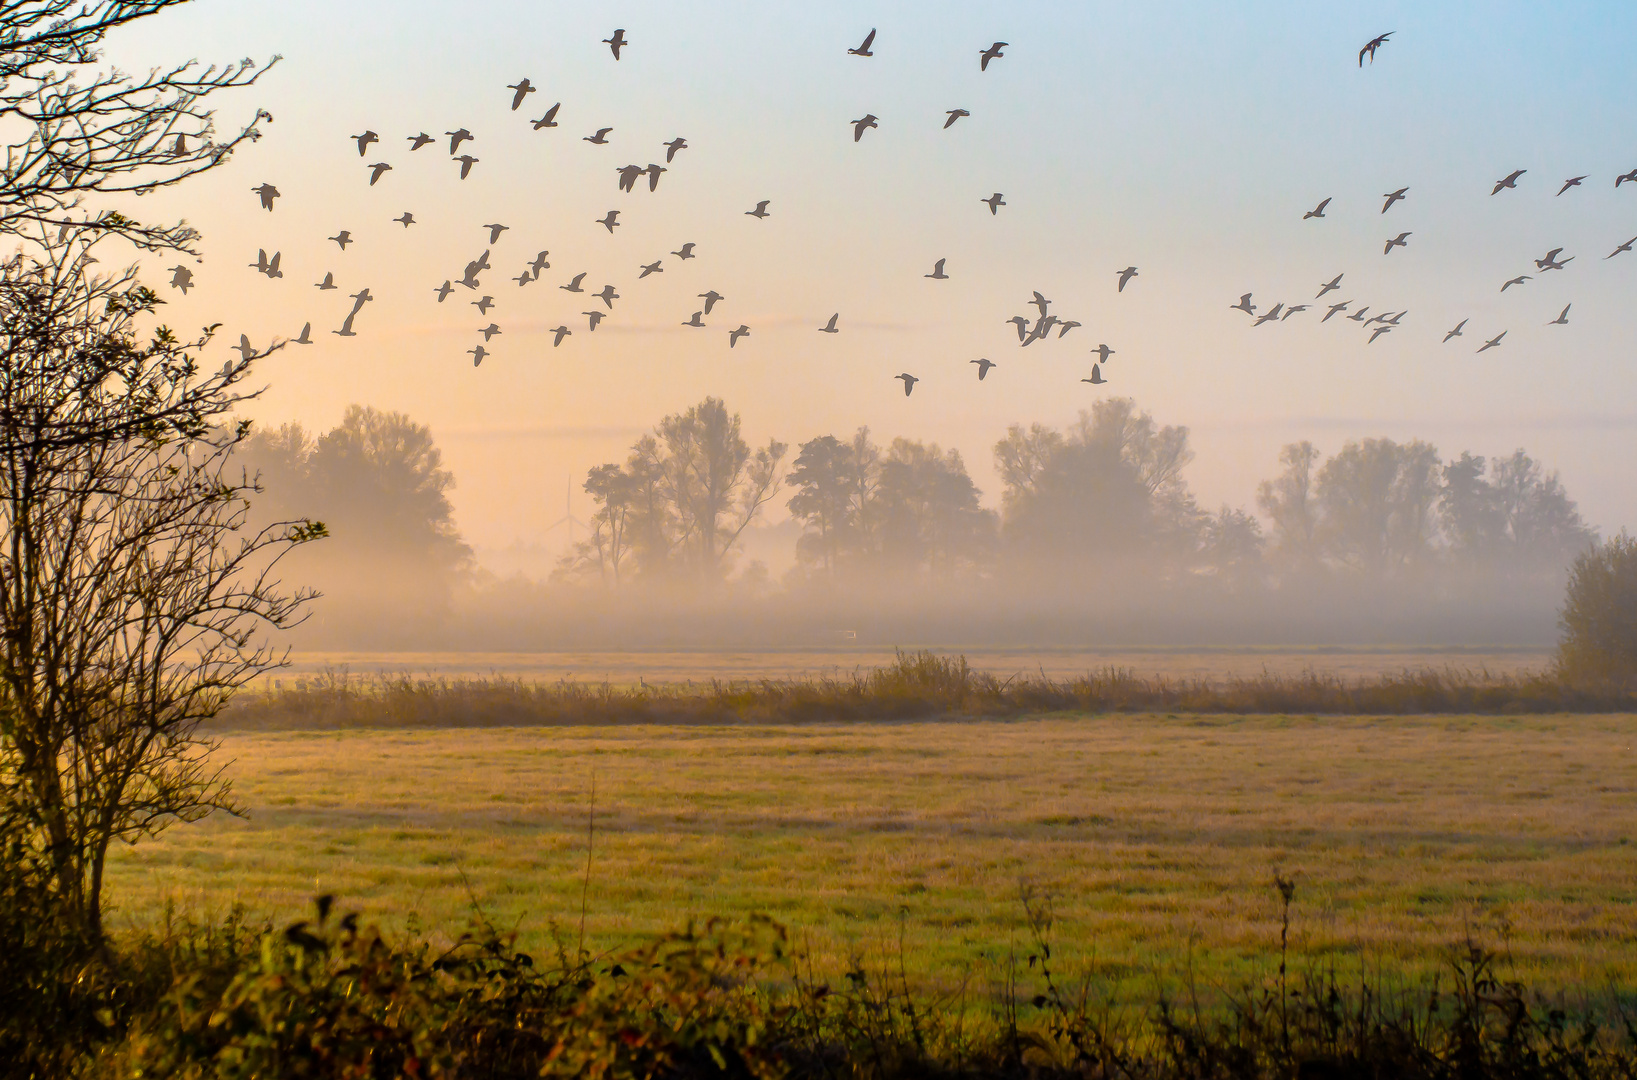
(1154, 838)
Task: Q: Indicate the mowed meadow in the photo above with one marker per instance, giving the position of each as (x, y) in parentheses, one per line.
(1152, 840)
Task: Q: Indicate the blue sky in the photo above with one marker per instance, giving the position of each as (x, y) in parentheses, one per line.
(1184, 138)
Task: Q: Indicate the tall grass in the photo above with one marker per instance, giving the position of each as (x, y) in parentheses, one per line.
(916, 685)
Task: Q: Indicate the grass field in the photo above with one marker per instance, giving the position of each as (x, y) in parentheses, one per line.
(1154, 838)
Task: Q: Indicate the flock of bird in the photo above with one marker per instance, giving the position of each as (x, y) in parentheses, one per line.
(1030, 328)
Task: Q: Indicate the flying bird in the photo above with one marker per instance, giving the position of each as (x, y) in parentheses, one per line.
(343, 238)
(180, 147)
(181, 278)
(991, 53)
(306, 337)
(995, 202)
(711, 298)
(1022, 325)
(1374, 44)
(327, 284)
(1358, 316)
(1455, 333)
(1377, 332)
(246, 350)
(1509, 181)
(524, 89)
(686, 252)
(444, 290)
(694, 322)
(1623, 247)
(600, 138)
(1401, 240)
(1041, 329)
(1244, 305)
(909, 382)
(1330, 286)
(1125, 275)
(595, 317)
(418, 141)
(364, 140)
(1293, 309)
(672, 147)
(954, 115)
(550, 119)
(495, 231)
(489, 331)
(610, 221)
(735, 335)
(1632, 176)
(268, 193)
(524, 278)
(863, 124)
(1493, 342)
(1392, 197)
(760, 211)
(540, 263)
(1573, 181)
(938, 271)
(616, 43)
(1067, 325)
(1562, 318)
(1317, 211)
(406, 220)
(1272, 314)
(478, 354)
(830, 327)
(607, 296)
(456, 138)
(1103, 353)
(1551, 261)
(653, 172)
(574, 286)
(628, 176)
(1041, 303)
(983, 367)
(466, 163)
(377, 170)
(864, 49)
(483, 304)
(651, 268)
(267, 266)
(1519, 280)
(1335, 308)
(561, 332)
(1096, 376)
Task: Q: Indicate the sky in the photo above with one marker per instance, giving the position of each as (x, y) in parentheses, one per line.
(1187, 139)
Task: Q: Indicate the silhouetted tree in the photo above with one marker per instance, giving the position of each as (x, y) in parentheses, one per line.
(1289, 503)
(1599, 617)
(926, 514)
(824, 475)
(714, 482)
(1377, 499)
(1232, 547)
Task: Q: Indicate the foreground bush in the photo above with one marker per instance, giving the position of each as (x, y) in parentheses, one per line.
(1599, 618)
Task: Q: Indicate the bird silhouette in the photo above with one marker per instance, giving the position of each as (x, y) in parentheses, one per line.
(418, 141)
(1066, 326)
(1126, 275)
(1623, 247)
(695, 321)
(735, 335)
(651, 268)
(760, 211)
(595, 317)
(550, 119)
(477, 355)
(377, 170)
(269, 267)
(686, 251)
(1317, 211)
(830, 327)
(406, 220)
(938, 271)
(991, 53)
(364, 141)
(1293, 309)
(495, 231)
(1330, 286)
(1041, 328)
(954, 115)
(1455, 333)
(607, 296)
(574, 286)
(1335, 309)
(360, 298)
(524, 278)
(343, 238)
(1631, 176)
(610, 221)
(1509, 181)
(327, 284)
(1374, 44)
(1519, 280)
(1377, 332)
(600, 138)
(246, 350)
(994, 202)
(483, 304)
(1552, 262)
(863, 124)
(456, 138)
(444, 290)
(616, 43)
(561, 332)
(1022, 325)
(1244, 305)
(628, 176)
(181, 278)
(268, 193)
(1103, 353)
(523, 89)
(653, 172)
(1493, 342)
(540, 263)
(1401, 240)
(180, 147)
(1096, 376)
(306, 337)
(909, 382)
(672, 147)
(864, 49)
(711, 298)
(983, 367)
(466, 163)
(1562, 318)
(1358, 316)
(1573, 181)
(1271, 315)
(489, 331)
(1392, 197)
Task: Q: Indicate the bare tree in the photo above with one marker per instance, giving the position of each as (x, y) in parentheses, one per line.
(86, 132)
(132, 598)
